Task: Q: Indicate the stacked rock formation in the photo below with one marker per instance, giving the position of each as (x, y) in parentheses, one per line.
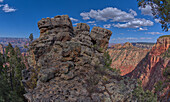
(67, 65)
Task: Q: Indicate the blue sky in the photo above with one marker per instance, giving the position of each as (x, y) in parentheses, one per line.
(128, 22)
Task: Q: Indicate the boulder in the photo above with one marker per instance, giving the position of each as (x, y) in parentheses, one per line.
(100, 37)
(81, 27)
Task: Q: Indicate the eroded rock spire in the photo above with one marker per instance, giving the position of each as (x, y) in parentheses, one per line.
(68, 65)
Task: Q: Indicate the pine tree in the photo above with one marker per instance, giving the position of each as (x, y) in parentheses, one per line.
(11, 89)
(31, 37)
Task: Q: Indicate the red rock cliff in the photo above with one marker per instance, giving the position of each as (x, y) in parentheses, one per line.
(126, 57)
(150, 70)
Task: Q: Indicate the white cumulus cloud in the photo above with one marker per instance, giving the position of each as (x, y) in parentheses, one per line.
(147, 10)
(142, 29)
(85, 15)
(133, 12)
(117, 15)
(1, 0)
(153, 33)
(109, 13)
(73, 19)
(107, 25)
(91, 22)
(128, 38)
(94, 24)
(157, 20)
(6, 8)
(75, 24)
(135, 23)
(143, 38)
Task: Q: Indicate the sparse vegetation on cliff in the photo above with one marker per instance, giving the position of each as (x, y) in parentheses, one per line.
(144, 96)
(108, 62)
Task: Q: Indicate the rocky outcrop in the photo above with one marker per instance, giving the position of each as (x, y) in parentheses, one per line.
(100, 37)
(127, 45)
(68, 65)
(150, 70)
(126, 57)
(116, 46)
(161, 46)
(81, 27)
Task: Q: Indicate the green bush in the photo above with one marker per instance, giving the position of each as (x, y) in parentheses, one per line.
(108, 62)
(143, 96)
(158, 86)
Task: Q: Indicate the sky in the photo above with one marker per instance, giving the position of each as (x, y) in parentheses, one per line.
(127, 21)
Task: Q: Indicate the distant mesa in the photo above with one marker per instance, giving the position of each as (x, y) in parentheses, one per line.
(146, 45)
(117, 46)
(127, 44)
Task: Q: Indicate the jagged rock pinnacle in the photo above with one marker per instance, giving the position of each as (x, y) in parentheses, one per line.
(68, 65)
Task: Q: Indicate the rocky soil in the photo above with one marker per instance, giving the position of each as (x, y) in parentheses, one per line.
(67, 64)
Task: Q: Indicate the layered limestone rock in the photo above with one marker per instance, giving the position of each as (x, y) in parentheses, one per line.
(161, 46)
(152, 68)
(60, 25)
(126, 57)
(69, 66)
(100, 37)
(81, 27)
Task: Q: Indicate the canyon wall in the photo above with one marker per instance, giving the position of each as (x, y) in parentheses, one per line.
(126, 57)
(154, 68)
